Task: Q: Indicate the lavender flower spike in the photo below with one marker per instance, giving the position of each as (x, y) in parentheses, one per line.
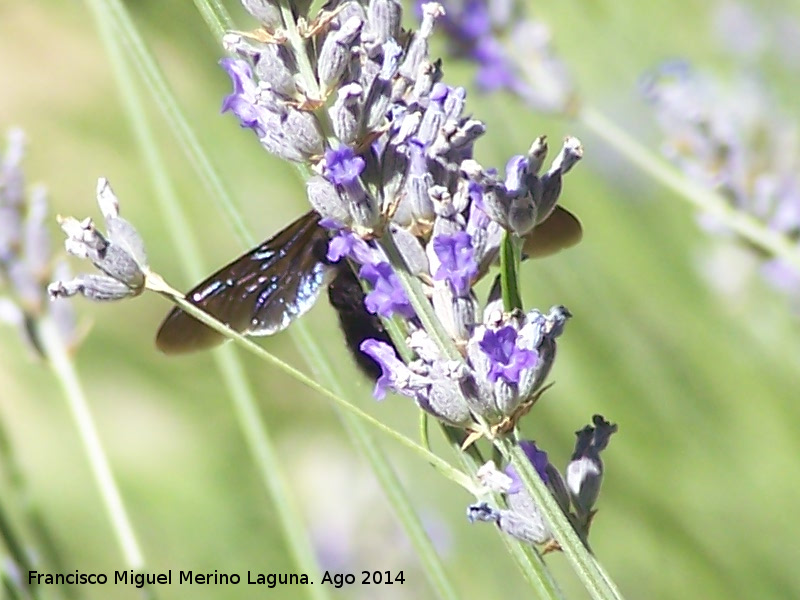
(745, 149)
(120, 256)
(26, 261)
(397, 159)
(576, 496)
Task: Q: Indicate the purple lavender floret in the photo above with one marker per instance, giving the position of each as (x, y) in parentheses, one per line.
(387, 296)
(458, 266)
(507, 360)
(393, 370)
(242, 101)
(346, 244)
(343, 166)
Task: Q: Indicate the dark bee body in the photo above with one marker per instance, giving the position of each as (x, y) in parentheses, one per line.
(265, 289)
(347, 297)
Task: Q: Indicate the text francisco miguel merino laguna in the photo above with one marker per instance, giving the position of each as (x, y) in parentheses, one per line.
(182, 577)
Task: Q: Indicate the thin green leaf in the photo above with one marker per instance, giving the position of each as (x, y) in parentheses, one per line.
(509, 270)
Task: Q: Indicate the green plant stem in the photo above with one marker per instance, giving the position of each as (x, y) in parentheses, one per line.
(392, 488)
(424, 436)
(47, 547)
(216, 17)
(529, 561)
(700, 197)
(456, 476)
(269, 465)
(594, 580)
(62, 366)
(16, 549)
(509, 270)
(304, 66)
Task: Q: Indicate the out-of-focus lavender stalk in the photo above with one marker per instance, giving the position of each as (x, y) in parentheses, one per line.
(733, 139)
(49, 328)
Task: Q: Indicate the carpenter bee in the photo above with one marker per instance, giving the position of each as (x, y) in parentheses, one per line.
(263, 291)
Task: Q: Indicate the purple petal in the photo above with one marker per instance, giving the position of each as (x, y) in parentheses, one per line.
(538, 459)
(387, 296)
(343, 166)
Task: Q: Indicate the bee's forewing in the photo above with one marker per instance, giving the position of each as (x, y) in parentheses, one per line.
(560, 230)
(259, 293)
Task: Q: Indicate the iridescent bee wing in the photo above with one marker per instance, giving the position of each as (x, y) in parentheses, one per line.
(259, 293)
(560, 230)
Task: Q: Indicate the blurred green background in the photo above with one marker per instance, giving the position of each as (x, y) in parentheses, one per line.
(701, 485)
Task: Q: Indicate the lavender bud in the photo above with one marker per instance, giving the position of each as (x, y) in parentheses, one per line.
(274, 66)
(458, 314)
(585, 470)
(524, 520)
(335, 53)
(428, 74)
(393, 174)
(571, 153)
(411, 249)
(384, 19)
(326, 200)
(445, 400)
(93, 287)
(379, 97)
(478, 393)
(464, 136)
(302, 133)
(417, 52)
(482, 512)
(491, 478)
(537, 153)
(121, 256)
(434, 116)
(266, 11)
(345, 113)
